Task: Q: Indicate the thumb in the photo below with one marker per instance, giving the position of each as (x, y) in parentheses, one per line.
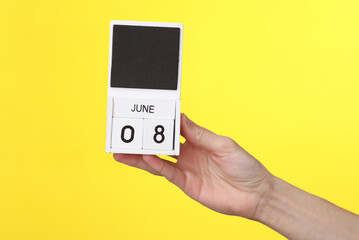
(200, 136)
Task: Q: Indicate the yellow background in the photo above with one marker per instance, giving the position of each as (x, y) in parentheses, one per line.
(280, 77)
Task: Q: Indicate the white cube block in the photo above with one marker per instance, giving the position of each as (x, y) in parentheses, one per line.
(127, 133)
(158, 134)
(143, 108)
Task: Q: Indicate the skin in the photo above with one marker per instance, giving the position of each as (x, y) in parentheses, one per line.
(215, 171)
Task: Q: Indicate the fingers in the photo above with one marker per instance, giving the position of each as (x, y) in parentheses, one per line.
(166, 169)
(154, 165)
(200, 136)
(134, 161)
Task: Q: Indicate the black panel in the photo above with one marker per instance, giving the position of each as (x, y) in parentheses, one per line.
(145, 57)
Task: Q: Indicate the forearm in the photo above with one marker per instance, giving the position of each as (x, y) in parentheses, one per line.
(297, 214)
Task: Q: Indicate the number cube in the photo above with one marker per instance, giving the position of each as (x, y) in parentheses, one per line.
(158, 134)
(127, 133)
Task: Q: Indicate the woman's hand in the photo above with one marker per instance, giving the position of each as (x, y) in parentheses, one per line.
(212, 169)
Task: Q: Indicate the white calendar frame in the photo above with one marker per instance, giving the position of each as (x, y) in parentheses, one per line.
(136, 93)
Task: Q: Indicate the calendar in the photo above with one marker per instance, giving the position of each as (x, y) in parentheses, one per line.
(144, 88)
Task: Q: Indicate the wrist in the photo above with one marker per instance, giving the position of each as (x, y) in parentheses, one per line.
(297, 214)
(267, 205)
(281, 208)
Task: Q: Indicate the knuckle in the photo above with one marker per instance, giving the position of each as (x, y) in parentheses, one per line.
(190, 193)
(200, 134)
(228, 143)
(162, 168)
(173, 177)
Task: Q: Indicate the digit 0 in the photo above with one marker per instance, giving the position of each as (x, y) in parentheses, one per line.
(123, 134)
(159, 130)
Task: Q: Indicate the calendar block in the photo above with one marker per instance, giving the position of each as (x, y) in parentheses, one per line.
(158, 134)
(127, 133)
(144, 88)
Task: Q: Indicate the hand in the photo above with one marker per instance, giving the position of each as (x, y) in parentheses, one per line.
(215, 171)
(212, 169)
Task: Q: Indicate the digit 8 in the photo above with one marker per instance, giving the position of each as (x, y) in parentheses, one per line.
(159, 130)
